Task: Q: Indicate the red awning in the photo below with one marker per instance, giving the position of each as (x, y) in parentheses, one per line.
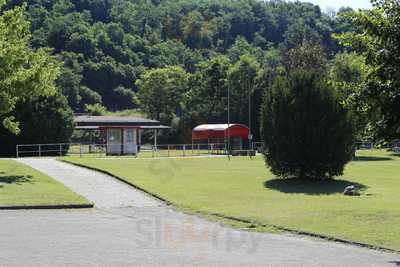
(220, 131)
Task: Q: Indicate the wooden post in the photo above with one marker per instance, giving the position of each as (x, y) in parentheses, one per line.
(80, 150)
(17, 151)
(168, 150)
(184, 150)
(40, 151)
(60, 150)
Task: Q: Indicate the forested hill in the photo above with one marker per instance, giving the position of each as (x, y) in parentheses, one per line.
(107, 44)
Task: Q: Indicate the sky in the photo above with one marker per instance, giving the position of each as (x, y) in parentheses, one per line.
(336, 4)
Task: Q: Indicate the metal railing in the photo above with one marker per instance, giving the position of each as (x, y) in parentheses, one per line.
(149, 151)
(60, 149)
(142, 151)
(182, 150)
(40, 150)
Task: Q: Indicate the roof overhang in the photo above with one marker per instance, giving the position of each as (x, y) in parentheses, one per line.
(102, 122)
(135, 127)
(87, 127)
(160, 127)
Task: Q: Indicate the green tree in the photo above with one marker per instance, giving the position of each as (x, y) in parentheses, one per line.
(377, 37)
(43, 120)
(348, 68)
(306, 131)
(24, 71)
(209, 90)
(307, 56)
(192, 29)
(161, 91)
(106, 45)
(348, 74)
(241, 47)
(95, 109)
(242, 81)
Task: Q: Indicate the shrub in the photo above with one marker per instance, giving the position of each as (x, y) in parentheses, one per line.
(306, 131)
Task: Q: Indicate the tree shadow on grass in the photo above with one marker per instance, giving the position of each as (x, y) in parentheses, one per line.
(311, 187)
(368, 158)
(15, 179)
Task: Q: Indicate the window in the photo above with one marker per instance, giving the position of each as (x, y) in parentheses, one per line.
(129, 136)
(114, 136)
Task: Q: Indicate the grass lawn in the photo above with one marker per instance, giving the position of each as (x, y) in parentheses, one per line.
(244, 188)
(21, 185)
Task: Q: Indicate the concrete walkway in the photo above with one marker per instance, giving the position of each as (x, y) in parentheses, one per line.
(132, 229)
(102, 190)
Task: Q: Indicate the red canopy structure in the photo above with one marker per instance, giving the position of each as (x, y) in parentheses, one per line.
(220, 131)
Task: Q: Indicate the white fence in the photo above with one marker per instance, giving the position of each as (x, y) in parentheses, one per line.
(148, 151)
(39, 150)
(144, 151)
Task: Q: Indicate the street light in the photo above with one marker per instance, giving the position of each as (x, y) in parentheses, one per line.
(229, 121)
(250, 137)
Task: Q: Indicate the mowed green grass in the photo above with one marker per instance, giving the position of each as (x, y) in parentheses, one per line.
(244, 188)
(21, 185)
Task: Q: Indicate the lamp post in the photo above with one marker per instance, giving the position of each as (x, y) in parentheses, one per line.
(229, 121)
(250, 137)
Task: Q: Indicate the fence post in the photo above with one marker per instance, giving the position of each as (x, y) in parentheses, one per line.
(40, 150)
(17, 150)
(60, 149)
(80, 150)
(184, 150)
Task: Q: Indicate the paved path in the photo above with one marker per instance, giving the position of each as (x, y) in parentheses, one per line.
(103, 190)
(139, 231)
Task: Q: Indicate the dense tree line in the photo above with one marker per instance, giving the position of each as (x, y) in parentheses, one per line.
(106, 45)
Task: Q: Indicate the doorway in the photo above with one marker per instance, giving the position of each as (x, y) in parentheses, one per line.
(114, 141)
(130, 147)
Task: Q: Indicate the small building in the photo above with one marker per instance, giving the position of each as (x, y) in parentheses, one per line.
(239, 134)
(121, 134)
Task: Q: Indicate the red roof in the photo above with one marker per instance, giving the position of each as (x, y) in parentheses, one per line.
(220, 131)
